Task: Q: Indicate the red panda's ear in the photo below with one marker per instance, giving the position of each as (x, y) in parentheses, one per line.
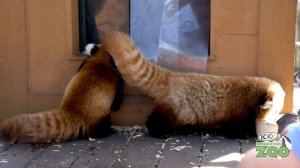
(266, 101)
(267, 105)
(94, 50)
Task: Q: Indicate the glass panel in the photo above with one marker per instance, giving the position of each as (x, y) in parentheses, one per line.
(98, 17)
(172, 33)
(145, 24)
(184, 35)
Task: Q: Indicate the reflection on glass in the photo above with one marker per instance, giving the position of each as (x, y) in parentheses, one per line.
(172, 33)
(184, 35)
(99, 17)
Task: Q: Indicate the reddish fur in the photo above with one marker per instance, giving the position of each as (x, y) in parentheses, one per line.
(196, 99)
(86, 104)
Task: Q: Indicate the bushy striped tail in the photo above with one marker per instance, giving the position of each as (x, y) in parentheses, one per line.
(138, 72)
(42, 127)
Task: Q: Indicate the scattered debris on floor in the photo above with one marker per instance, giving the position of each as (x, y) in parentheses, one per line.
(128, 147)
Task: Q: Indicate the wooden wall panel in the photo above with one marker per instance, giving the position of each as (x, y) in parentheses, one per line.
(235, 55)
(276, 44)
(13, 63)
(237, 16)
(38, 103)
(134, 111)
(49, 67)
(234, 36)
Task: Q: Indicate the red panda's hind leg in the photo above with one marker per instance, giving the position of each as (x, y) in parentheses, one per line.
(161, 121)
(101, 129)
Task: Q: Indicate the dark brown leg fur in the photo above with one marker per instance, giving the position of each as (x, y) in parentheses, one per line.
(161, 121)
(239, 129)
(119, 96)
(102, 129)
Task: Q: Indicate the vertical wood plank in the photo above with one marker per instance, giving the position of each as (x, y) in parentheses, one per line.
(276, 44)
(213, 32)
(13, 62)
(48, 64)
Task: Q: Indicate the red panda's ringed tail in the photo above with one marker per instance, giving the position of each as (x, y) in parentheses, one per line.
(137, 71)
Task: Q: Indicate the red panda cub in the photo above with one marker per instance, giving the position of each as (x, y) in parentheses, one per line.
(85, 108)
(184, 100)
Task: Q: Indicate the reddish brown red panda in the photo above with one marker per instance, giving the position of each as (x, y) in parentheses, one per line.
(193, 99)
(85, 108)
